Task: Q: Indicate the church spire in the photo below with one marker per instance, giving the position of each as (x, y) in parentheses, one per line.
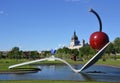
(74, 32)
(74, 36)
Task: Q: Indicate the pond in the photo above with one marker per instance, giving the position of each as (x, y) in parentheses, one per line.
(63, 72)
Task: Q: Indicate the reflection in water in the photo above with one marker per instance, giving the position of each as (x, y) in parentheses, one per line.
(63, 72)
(86, 77)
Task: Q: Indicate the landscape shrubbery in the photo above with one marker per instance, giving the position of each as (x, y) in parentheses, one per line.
(83, 53)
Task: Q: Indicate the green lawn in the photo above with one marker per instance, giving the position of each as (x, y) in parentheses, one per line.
(5, 63)
(109, 62)
(48, 81)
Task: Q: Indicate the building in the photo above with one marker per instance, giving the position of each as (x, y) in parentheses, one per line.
(75, 43)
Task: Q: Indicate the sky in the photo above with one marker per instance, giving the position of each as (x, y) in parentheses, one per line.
(49, 24)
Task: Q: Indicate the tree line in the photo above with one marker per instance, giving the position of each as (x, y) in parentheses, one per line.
(85, 52)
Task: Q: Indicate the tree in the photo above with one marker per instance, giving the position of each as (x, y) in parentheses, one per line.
(34, 54)
(0, 55)
(64, 52)
(21, 54)
(110, 48)
(117, 44)
(75, 51)
(45, 54)
(86, 51)
(14, 53)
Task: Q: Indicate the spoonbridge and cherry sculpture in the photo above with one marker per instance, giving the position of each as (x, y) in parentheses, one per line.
(98, 41)
(93, 60)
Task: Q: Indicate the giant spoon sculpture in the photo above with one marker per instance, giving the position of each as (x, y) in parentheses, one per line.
(98, 41)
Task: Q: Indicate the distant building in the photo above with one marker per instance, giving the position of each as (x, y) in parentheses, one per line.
(75, 43)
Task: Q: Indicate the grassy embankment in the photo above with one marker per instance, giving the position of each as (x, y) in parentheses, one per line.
(48, 81)
(5, 63)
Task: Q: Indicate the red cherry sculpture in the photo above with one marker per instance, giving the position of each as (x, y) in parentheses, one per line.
(98, 39)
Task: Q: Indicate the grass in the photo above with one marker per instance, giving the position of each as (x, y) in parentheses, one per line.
(5, 63)
(48, 81)
(109, 62)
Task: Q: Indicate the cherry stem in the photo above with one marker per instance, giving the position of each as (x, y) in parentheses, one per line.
(100, 22)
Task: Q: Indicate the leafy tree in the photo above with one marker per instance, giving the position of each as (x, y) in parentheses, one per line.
(86, 52)
(75, 51)
(21, 54)
(34, 54)
(45, 54)
(117, 44)
(0, 55)
(64, 52)
(110, 48)
(59, 53)
(14, 53)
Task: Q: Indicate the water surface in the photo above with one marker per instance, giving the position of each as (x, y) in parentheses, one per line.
(63, 72)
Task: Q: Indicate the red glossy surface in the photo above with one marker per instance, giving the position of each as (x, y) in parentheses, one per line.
(98, 40)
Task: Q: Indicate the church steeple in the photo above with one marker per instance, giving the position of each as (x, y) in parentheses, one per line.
(74, 40)
(74, 36)
(75, 43)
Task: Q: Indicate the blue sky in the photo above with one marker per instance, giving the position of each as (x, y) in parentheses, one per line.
(46, 24)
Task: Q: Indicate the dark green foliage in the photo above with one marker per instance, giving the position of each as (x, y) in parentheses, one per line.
(117, 44)
(63, 53)
(0, 55)
(14, 53)
(85, 52)
(114, 47)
